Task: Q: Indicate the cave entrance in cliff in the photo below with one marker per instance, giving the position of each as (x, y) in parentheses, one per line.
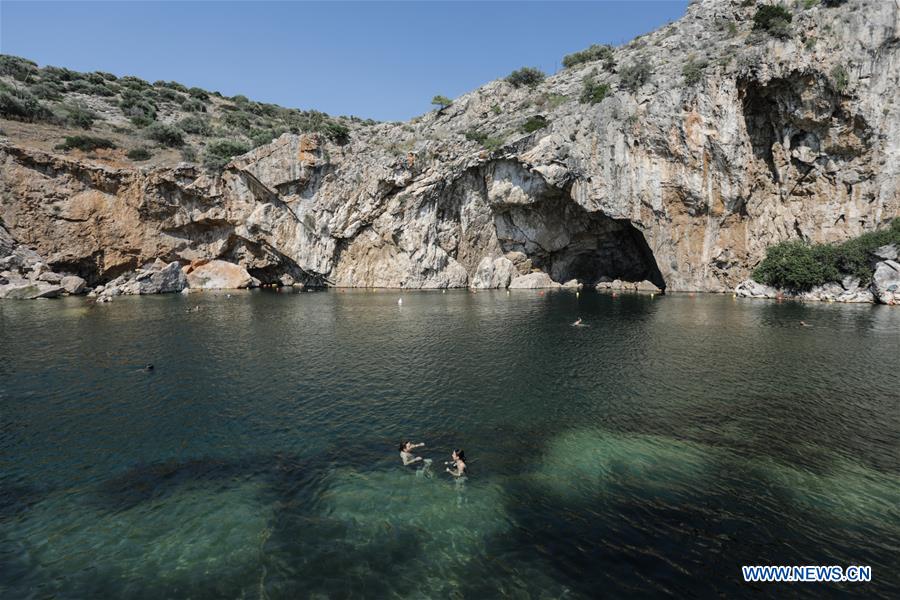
(567, 242)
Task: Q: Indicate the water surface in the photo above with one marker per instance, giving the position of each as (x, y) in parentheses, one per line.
(652, 452)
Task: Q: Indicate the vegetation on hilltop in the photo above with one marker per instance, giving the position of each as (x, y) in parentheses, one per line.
(168, 113)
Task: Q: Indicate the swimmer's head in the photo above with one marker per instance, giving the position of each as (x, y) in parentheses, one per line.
(459, 455)
(405, 446)
(149, 367)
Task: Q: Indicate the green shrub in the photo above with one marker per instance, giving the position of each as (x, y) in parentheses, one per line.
(529, 76)
(167, 135)
(260, 137)
(595, 52)
(218, 153)
(635, 75)
(487, 142)
(810, 3)
(141, 121)
(534, 123)
(240, 99)
(22, 106)
(833, 3)
(496, 109)
(139, 154)
(239, 120)
(731, 28)
(168, 95)
(198, 93)
(592, 91)
(693, 70)
(774, 20)
(50, 73)
(16, 67)
(441, 102)
(85, 143)
(78, 115)
(800, 266)
(135, 83)
(171, 85)
(136, 104)
(336, 132)
(840, 77)
(193, 105)
(188, 154)
(196, 124)
(47, 90)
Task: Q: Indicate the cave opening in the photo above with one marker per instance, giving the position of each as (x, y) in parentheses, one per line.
(568, 242)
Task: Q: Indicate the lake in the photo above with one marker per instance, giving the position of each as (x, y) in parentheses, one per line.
(651, 452)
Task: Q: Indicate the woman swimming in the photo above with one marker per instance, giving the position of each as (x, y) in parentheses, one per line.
(406, 454)
(458, 462)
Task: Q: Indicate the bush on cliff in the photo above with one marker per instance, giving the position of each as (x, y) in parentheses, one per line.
(220, 152)
(441, 102)
(800, 266)
(774, 20)
(635, 75)
(595, 52)
(139, 154)
(593, 92)
(529, 76)
(534, 123)
(22, 106)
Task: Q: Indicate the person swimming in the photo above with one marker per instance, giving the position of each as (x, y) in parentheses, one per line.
(577, 323)
(406, 454)
(458, 462)
(148, 368)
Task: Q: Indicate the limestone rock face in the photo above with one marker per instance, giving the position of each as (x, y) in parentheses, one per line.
(681, 185)
(218, 275)
(533, 281)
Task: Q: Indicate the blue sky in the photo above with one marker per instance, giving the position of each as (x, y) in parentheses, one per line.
(383, 60)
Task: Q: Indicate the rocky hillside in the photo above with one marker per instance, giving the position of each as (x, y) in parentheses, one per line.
(677, 158)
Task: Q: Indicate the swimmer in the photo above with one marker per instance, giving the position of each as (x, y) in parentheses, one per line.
(148, 368)
(805, 324)
(406, 454)
(458, 462)
(577, 323)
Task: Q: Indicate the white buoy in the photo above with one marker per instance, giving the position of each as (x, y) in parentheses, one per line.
(443, 291)
(651, 295)
(400, 301)
(577, 294)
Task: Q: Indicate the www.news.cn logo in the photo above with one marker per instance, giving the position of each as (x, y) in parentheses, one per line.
(813, 573)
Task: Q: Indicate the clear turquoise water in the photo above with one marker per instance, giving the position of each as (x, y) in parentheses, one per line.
(651, 453)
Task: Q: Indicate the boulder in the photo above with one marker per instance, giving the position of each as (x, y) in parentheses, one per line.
(493, 273)
(533, 281)
(572, 284)
(219, 275)
(617, 285)
(162, 279)
(23, 289)
(753, 289)
(50, 277)
(73, 284)
(886, 282)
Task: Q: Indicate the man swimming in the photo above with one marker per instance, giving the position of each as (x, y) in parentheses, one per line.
(577, 323)
(406, 454)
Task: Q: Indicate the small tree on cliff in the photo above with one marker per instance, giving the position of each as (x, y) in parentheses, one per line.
(441, 102)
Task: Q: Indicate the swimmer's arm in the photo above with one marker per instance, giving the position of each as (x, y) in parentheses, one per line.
(455, 472)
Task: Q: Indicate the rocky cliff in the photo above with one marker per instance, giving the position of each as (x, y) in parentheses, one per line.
(730, 140)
